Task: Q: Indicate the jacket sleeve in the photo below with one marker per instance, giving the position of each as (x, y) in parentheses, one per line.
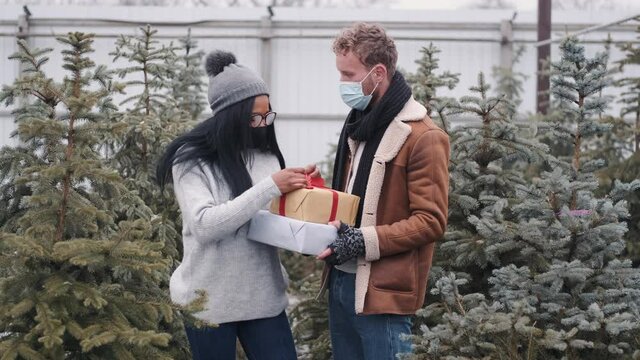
(209, 219)
(428, 190)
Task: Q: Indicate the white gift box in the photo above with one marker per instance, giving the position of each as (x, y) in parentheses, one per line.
(295, 235)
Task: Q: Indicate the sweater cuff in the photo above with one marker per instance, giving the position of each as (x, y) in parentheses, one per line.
(269, 186)
(371, 245)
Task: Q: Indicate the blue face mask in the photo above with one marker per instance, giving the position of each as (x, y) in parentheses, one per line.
(352, 94)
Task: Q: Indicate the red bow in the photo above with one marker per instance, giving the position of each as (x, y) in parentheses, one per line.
(315, 183)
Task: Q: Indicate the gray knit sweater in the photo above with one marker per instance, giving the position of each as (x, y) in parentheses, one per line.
(243, 279)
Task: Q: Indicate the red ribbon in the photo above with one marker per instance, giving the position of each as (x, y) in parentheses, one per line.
(315, 183)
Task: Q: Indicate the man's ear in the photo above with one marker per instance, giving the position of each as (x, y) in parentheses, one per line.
(380, 73)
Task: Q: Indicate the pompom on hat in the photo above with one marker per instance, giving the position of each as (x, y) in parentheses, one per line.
(229, 82)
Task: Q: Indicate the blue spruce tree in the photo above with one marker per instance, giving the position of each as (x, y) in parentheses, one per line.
(558, 287)
(426, 81)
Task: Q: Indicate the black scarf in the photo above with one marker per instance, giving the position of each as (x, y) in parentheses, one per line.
(369, 126)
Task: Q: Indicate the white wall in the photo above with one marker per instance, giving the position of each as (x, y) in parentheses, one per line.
(302, 70)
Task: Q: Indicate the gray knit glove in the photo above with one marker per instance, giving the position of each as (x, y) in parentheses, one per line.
(350, 244)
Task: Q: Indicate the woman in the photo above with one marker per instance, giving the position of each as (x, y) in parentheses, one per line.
(224, 171)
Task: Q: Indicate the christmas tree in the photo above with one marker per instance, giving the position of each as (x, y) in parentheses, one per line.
(160, 105)
(509, 82)
(164, 98)
(425, 83)
(482, 228)
(613, 145)
(626, 166)
(187, 88)
(80, 277)
(310, 319)
(631, 85)
(562, 291)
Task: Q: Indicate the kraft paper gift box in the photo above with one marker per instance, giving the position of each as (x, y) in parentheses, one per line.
(317, 204)
(290, 234)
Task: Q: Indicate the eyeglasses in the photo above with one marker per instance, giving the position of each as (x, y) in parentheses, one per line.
(268, 118)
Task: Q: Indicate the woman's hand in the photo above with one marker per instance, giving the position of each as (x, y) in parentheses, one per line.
(290, 179)
(312, 170)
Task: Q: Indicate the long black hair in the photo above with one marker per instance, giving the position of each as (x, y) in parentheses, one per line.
(224, 142)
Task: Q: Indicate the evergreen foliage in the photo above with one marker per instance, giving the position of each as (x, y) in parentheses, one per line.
(83, 279)
(558, 287)
(426, 81)
(161, 104)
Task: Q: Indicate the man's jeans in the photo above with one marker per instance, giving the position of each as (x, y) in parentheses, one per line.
(261, 339)
(369, 337)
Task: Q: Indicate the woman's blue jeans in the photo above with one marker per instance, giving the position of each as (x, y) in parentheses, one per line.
(268, 339)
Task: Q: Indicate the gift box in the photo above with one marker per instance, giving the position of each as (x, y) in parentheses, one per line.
(317, 204)
(290, 234)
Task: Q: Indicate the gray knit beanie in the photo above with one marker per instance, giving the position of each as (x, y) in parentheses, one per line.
(229, 82)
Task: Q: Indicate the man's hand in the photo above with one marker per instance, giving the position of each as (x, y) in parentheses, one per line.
(325, 254)
(312, 170)
(348, 245)
(328, 251)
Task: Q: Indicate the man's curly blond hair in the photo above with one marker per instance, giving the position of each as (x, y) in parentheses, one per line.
(370, 44)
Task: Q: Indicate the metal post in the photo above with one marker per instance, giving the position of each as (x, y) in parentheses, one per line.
(266, 34)
(506, 44)
(544, 53)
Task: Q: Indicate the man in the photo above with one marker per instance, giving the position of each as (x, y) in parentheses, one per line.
(394, 157)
